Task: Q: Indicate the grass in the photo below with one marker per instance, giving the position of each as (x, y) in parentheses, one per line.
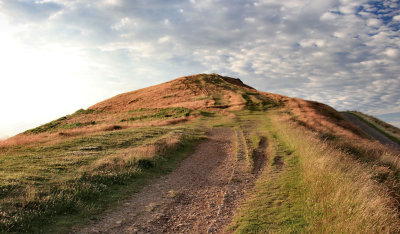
(309, 185)
(75, 177)
(47, 127)
(320, 176)
(276, 205)
(158, 113)
(203, 98)
(317, 189)
(378, 125)
(60, 123)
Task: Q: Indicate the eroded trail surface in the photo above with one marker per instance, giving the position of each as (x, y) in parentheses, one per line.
(199, 196)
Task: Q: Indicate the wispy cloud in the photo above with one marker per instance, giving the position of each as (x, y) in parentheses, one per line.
(344, 53)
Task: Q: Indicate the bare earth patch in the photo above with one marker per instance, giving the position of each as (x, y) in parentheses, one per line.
(200, 196)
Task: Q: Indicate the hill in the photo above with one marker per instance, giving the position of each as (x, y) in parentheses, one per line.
(388, 130)
(250, 161)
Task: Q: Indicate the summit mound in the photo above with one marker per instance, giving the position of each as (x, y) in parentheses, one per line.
(188, 98)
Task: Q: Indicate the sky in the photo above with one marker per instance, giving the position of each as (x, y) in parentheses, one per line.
(57, 56)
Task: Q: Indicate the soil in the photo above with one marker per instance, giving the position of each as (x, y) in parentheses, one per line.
(375, 134)
(200, 196)
(259, 156)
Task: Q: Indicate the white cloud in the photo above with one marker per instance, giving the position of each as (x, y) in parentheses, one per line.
(328, 16)
(164, 39)
(340, 52)
(250, 19)
(392, 53)
(374, 22)
(123, 23)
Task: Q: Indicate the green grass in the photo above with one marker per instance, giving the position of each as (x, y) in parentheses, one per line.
(319, 189)
(116, 193)
(207, 113)
(276, 203)
(60, 122)
(203, 98)
(158, 113)
(84, 112)
(39, 184)
(77, 125)
(47, 127)
(307, 186)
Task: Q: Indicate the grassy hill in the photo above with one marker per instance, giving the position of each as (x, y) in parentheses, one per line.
(387, 129)
(322, 174)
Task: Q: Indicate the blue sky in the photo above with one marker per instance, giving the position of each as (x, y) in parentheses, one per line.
(61, 55)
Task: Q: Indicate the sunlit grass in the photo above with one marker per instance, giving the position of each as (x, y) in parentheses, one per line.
(43, 182)
(318, 189)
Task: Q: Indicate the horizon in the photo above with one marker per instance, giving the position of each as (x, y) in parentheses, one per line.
(59, 56)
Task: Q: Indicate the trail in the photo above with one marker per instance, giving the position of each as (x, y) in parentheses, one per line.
(200, 196)
(371, 131)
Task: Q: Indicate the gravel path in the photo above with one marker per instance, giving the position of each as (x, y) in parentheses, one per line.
(371, 131)
(200, 196)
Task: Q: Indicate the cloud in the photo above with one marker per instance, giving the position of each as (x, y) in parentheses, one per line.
(341, 52)
(25, 11)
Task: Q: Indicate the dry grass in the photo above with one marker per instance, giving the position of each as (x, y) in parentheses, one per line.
(68, 134)
(21, 140)
(329, 125)
(43, 180)
(341, 193)
(322, 118)
(390, 129)
(131, 157)
(197, 92)
(319, 189)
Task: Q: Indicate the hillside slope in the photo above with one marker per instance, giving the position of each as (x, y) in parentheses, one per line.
(280, 164)
(372, 130)
(384, 128)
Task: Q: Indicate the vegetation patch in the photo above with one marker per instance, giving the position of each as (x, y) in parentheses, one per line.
(53, 125)
(207, 113)
(77, 125)
(203, 98)
(60, 123)
(313, 187)
(169, 96)
(159, 113)
(68, 180)
(84, 112)
(377, 125)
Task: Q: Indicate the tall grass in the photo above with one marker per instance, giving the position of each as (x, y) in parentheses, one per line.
(78, 177)
(319, 189)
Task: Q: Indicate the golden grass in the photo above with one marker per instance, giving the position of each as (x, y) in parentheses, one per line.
(319, 188)
(130, 156)
(388, 128)
(21, 140)
(65, 134)
(341, 195)
(322, 118)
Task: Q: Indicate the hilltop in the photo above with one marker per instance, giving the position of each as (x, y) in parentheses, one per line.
(200, 153)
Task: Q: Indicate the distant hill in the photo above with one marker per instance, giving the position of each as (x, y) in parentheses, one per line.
(387, 129)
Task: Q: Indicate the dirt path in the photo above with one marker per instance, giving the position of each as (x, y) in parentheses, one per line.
(200, 196)
(371, 131)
